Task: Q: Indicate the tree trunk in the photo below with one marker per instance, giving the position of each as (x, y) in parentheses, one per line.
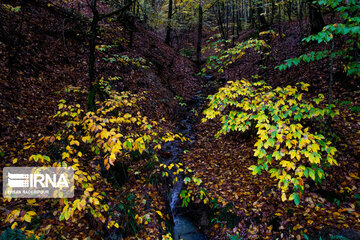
(245, 12)
(227, 12)
(168, 27)
(300, 16)
(273, 9)
(199, 39)
(331, 67)
(289, 8)
(251, 15)
(238, 19)
(233, 22)
(219, 19)
(261, 19)
(316, 20)
(93, 85)
(92, 44)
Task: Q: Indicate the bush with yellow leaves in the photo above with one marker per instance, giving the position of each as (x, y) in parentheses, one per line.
(88, 140)
(285, 148)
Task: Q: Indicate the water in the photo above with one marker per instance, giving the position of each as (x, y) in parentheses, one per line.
(184, 228)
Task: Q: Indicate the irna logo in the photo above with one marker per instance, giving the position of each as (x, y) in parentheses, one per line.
(38, 182)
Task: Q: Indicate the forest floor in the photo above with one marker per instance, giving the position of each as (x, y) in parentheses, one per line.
(49, 61)
(253, 203)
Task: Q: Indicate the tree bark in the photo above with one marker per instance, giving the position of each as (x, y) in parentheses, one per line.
(219, 19)
(168, 27)
(261, 19)
(316, 20)
(92, 44)
(93, 86)
(233, 23)
(273, 9)
(245, 12)
(199, 38)
(289, 9)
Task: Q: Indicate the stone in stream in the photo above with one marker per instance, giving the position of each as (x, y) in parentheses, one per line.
(186, 230)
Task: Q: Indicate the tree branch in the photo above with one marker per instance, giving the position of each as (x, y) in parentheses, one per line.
(121, 10)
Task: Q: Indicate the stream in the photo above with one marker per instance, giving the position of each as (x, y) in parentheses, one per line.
(184, 228)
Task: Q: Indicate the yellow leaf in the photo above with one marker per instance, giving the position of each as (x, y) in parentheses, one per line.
(86, 139)
(104, 134)
(27, 218)
(353, 175)
(283, 197)
(31, 201)
(74, 142)
(292, 154)
(31, 213)
(65, 155)
(299, 96)
(315, 147)
(112, 158)
(15, 160)
(83, 202)
(13, 226)
(160, 214)
(106, 208)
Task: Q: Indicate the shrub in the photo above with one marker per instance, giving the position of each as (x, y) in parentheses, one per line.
(285, 148)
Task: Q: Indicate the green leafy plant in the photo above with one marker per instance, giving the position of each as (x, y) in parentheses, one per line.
(339, 237)
(185, 196)
(10, 8)
(223, 56)
(12, 234)
(235, 237)
(351, 106)
(357, 198)
(180, 100)
(350, 13)
(285, 148)
(126, 60)
(91, 142)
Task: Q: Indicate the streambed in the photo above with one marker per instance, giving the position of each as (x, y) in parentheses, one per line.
(183, 227)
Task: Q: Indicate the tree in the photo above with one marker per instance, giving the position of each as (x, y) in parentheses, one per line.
(316, 20)
(261, 18)
(12, 36)
(199, 37)
(285, 148)
(349, 29)
(97, 17)
(168, 27)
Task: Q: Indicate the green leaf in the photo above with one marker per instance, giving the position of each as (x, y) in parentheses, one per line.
(295, 197)
(62, 216)
(311, 173)
(306, 172)
(67, 214)
(187, 180)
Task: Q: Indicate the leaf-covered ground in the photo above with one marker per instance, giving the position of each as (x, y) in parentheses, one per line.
(50, 63)
(223, 164)
(331, 207)
(51, 59)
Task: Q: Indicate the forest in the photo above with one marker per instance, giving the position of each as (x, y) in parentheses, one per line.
(180, 119)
